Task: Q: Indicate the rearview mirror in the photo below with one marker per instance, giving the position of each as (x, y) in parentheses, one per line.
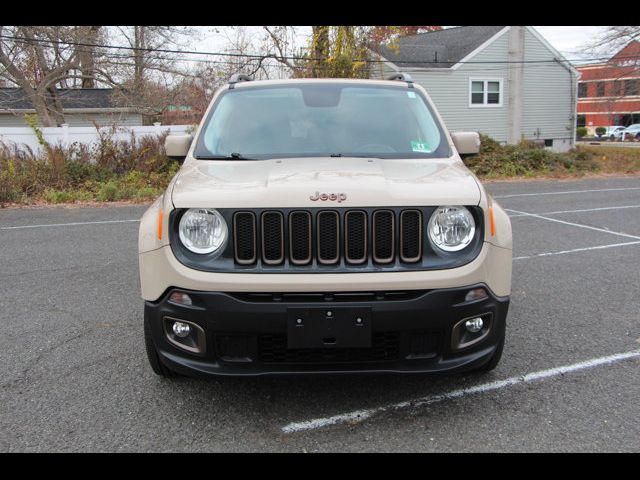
(466, 143)
(177, 146)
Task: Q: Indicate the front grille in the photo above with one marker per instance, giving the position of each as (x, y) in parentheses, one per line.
(273, 349)
(322, 298)
(303, 238)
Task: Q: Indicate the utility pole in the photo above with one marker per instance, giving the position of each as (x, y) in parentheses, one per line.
(515, 84)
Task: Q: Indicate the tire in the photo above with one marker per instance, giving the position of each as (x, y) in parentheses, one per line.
(494, 360)
(152, 354)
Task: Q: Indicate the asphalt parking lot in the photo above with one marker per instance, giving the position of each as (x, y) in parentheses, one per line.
(76, 377)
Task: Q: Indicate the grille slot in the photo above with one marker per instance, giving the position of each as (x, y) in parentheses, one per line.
(383, 236)
(300, 237)
(328, 237)
(273, 349)
(355, 236)
(272, 238)
(410, 236)
(244, 237)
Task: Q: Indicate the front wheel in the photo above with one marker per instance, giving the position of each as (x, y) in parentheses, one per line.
(152, 354)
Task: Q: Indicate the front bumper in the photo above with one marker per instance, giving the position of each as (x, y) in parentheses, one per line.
(247, 334)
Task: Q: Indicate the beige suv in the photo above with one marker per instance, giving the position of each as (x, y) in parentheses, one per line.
(324, 225)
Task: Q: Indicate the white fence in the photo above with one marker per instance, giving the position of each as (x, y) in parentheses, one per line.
(66, 135)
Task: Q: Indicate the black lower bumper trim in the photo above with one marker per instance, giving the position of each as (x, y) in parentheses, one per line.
(250, 334)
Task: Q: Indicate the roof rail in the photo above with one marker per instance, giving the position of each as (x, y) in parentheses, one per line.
(402, 77)
(238, 77)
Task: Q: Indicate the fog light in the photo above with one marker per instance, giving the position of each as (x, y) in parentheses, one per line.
(474, 325)
(475, 294)
(180, 298)
(182, 329)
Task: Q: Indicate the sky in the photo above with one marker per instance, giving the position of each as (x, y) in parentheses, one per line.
(566, 39)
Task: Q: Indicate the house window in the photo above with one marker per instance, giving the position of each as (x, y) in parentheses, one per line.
(631, 87)
(581, 121)
(487, 93)
(582, 90)
(599, 89)
(616, 89)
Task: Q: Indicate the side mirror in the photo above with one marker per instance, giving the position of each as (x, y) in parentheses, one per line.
(466, 143)
(177, 146)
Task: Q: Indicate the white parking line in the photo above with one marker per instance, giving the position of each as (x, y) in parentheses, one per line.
(67, 224)
(585, 249)
(360, 415)
(573, 224)
(557, 212)
(566, 192)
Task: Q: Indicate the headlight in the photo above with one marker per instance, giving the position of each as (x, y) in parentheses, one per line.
(451, 228)
(203, 230)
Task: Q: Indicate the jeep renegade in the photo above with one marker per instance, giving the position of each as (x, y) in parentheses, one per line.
(324, 225)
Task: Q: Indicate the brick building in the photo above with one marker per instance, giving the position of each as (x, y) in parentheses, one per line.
(609, 93)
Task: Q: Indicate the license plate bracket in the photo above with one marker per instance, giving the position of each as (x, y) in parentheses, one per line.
(329, 327)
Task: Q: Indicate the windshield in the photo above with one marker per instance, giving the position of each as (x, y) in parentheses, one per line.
(321, 120)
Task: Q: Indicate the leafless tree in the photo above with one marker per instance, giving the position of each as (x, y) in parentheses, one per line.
(612, 39)
(37, 59)
(608, 43)
(87, 55)
(143, 73)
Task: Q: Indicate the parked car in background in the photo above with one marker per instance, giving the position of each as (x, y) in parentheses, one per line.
(613, 132)
(631, 131)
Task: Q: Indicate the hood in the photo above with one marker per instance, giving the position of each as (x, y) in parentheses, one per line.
(354, 182)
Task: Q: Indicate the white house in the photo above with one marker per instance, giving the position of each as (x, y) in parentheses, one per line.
(82, 107)
(507, 82)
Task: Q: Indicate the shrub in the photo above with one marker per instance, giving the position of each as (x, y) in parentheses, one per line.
(601, 131)
(527, 159)
(581, 132)
(110, 169)
(108, 192)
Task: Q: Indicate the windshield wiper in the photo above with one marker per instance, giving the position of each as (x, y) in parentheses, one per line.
(335, 155)
(232, 156)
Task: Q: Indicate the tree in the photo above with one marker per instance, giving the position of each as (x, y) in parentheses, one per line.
(38, 59)
(385, 34)
(343, 51)
(622, 44)
(612, 39)
(143, 73)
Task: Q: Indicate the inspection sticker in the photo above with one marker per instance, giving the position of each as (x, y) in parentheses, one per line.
(420, 147)
(411, 94)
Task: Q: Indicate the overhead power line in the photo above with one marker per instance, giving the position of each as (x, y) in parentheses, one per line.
(294, 57)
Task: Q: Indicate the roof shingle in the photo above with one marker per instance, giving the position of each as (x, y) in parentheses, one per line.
(439, 49)
(16, 99)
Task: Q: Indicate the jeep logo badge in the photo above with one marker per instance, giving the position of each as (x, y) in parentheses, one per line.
(340, 197)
